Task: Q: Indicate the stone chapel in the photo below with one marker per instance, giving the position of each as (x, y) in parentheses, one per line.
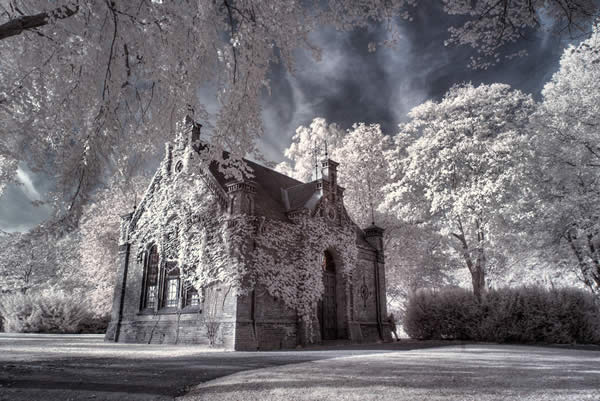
(155, 302)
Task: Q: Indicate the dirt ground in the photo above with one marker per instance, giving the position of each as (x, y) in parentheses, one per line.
(83, 367)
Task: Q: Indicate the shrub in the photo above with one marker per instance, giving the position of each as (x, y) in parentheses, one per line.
(420, 320)
(47, 311)
(93, 324)
(514, 315)
(17, 312)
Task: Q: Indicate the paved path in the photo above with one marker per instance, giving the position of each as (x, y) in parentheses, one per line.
(63, 367)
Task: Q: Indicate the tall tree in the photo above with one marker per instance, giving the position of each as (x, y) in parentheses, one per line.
(29, 260)
(363, 171)
(463, 167)
(568, 162)
(99, 237)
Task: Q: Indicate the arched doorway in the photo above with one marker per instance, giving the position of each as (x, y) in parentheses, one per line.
(327, 307)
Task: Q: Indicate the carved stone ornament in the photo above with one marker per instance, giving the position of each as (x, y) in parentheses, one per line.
(364, 292)
(331, 213)
(179, 166)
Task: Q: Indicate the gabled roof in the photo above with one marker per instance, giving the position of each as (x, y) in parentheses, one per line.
(276, 193)
(300, 195)
(269, 200)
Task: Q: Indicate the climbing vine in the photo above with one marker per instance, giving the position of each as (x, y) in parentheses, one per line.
(288, 259)
(210, 246)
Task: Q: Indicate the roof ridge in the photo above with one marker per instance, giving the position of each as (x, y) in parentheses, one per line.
(275, 171)
(228, 154)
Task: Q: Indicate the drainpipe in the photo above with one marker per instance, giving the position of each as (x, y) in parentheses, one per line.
(123, 288)
(378, 297)
(252, 315)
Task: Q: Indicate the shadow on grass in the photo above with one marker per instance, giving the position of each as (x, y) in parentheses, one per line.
(164, 374)
(502, 370)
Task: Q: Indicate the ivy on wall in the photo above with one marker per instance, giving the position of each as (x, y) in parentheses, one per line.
(211, 246)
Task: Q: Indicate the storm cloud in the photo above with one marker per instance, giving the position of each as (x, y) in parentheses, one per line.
(351, 85)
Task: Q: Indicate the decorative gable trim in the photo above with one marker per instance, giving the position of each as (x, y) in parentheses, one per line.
(145, 199)
(213, 185)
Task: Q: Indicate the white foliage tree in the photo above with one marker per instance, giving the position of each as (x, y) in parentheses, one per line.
(463, 170)
(568, 162)
(363, 170)
(8, 168)
(30, 260)
(416, 257)
(98, 249)
(308, 148)
(97, 84)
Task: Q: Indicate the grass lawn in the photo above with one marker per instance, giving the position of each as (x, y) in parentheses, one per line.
(470, 372)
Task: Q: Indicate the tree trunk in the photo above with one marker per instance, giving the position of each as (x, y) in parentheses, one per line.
(478, 280)
(590, 273)
(477, 268)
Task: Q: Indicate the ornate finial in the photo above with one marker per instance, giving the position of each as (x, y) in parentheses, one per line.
(326, 154)
(190, 111)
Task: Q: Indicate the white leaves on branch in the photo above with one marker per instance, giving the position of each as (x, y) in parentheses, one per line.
(93, 81)
(95, 270)
(112, 78)
(462, 168)
(492, 25)
(567, 141)
(8, 168)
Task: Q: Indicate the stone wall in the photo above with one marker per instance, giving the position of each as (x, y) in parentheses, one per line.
(264, 323)
(363, 289)
(173, 328)
(188, 325)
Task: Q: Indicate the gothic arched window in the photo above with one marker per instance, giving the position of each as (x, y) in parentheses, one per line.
(151, 279)
(250, 204)
(171, 286)
(192, 297)
(328, 263)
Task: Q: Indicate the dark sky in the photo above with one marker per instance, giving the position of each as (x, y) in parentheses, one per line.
(352, 85)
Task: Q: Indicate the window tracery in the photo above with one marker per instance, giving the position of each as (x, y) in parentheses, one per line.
(171, 285)
(151, 279)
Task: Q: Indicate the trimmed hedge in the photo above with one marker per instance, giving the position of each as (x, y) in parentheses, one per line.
(48, 311)
(511, 315)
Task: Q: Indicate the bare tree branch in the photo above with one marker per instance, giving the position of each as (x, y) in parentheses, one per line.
(30, 22)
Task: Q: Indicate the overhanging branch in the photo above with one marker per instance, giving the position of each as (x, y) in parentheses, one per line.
(28, 22)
